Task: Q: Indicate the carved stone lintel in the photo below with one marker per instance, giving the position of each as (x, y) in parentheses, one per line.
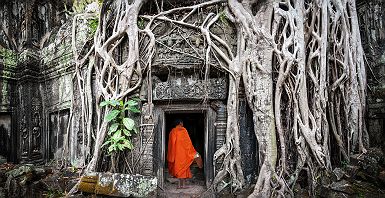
(186, 88)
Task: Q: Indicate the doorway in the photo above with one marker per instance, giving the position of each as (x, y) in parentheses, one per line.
(199, 120)
(5, 136)
(194, 122)
(58, 122)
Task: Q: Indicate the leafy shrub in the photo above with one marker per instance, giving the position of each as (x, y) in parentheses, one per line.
(121, 127)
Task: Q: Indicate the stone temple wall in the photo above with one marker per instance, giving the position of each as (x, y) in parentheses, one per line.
(36, 78)
(372, 26)
(36, 70)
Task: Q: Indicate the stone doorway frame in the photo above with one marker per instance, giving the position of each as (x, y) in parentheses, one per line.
(160, 131)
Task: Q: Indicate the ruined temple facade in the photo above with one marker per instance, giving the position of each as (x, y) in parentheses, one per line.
(37, 91)
(24, 113)
(36, 81)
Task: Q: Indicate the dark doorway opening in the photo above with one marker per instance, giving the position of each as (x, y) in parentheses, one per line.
(5, 136)
(58, 122)
(194, 122)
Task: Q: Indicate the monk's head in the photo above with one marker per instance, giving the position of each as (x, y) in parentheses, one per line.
(178, 122)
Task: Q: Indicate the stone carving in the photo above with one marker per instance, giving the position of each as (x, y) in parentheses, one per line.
(220, 126)
(182, 88)
(147, 129)
(36, 134)
(220, 122)
(24, 135)
(80, 137)
(179, 48)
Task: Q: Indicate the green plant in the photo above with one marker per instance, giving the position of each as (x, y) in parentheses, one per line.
(223, 18)
(344, 163)
(121, 127)
(72, 169)
(53, 193)
(93, 25)
(141, 23)
(8, 57)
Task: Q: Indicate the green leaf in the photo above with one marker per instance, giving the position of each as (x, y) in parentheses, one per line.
(113, 128)
(105, 143)
(114, 103)
(121, 103)
(117, 135)
(111, 148)
(133, 109)
(126, 132)
(136, 130)
(128, 123)
(112, 115)
(104, 103)
(137, 99)
(128, 144)
(120, 147)
(131, 103)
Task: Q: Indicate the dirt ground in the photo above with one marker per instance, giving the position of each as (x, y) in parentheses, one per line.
(196, 185)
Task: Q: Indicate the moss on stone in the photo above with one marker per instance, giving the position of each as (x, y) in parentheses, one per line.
(8, 57)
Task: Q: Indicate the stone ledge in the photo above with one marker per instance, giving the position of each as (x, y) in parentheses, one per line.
(120, 185)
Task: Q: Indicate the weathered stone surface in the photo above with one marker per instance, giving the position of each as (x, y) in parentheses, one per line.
(116, 184)
(338, 173)
(371, 18)
(19, 179)
(342, 186)
(381, 176)
(20, 171)
(2, 159)
(51, 183)
(363, 177)
(189, 88)
(355, 189)
(370, 162)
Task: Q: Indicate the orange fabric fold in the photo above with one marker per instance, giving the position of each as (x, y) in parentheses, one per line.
(181, 153)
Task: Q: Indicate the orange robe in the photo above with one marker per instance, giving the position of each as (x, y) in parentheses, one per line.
(180, 153)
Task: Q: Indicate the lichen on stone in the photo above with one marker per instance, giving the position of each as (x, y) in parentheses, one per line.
(8, 57)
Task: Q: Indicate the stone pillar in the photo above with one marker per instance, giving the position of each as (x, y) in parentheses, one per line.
(30, 109)
(220, 128)
(147, 141)
(30, 124)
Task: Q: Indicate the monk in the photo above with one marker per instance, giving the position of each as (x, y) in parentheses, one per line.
(181, 154)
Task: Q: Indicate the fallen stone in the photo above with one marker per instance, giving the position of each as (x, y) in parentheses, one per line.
(353, 188)
(338, 173)
(336, 194)
(21, 179)
(342, 186)
(23, 173)
(381, 176)
(3, 159)
(2, 193)
(115, 184)
(21, 170)
(351, 170)
(370, 162)
(50, 183)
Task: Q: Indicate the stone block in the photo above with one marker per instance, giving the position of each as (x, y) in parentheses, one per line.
(116, 184)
